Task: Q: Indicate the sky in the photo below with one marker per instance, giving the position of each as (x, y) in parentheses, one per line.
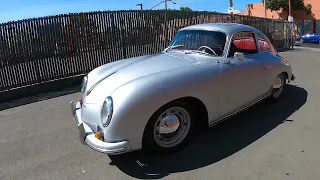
(11, 10)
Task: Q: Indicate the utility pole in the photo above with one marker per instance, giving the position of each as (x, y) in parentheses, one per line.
(140, 5)
(265, 15)
(231, 6)
(289, 7)
(265, 8)
(165, 4)
(290, 19)
(231, 10)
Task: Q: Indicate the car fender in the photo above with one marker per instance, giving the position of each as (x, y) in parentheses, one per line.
(136, 101)
(280, 66)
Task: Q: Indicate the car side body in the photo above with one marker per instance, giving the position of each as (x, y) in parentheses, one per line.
(217, 87)
(309, 38)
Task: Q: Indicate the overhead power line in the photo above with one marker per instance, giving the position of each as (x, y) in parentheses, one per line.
(165, 3)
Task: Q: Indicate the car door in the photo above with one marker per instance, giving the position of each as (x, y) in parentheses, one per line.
(318, 37)
(311, 38)
(307, 37)
(269, 62)
(240, 80)
(314, 37)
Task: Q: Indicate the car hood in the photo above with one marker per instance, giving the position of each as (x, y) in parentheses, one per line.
(106, 78)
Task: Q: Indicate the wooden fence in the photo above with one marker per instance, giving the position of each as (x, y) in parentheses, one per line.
(49, 48)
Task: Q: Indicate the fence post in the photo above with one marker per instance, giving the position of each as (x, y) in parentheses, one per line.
(290, 19)
(292, 35)
(272, 30)
(123, 42)
(165, 27)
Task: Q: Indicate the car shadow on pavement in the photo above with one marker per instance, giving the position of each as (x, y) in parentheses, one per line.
(214, 144)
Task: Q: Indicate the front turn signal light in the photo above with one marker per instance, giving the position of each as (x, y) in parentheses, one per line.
(98, 135)
(284, 62)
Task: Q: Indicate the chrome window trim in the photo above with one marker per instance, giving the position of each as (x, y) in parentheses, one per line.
(230, 40)
(215, 30)
(265, 38)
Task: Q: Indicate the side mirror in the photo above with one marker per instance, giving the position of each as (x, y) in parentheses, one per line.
(239, 56)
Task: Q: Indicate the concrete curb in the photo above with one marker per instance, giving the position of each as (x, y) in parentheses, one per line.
(308, 48)
(40, 88)
(284, 49)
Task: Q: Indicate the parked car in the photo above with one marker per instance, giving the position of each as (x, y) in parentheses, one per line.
(310, 37)
(208, 73)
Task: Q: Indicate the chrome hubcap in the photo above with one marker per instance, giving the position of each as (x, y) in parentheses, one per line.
(171, 127)
(277, 83)
(278, 87)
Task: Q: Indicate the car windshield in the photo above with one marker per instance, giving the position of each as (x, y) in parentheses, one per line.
(199, 41)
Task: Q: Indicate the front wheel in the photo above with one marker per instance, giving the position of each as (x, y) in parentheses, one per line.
(277, 90)
(169, 128)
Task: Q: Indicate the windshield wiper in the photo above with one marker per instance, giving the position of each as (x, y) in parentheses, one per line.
(197, 51)
(172, 47)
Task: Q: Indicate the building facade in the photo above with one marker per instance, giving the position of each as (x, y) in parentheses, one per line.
(303, 23)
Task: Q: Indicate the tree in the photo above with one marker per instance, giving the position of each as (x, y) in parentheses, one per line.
(296, 5)
(187, 9)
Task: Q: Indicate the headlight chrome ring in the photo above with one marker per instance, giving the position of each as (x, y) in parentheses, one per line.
(107, 111)
(84, 84)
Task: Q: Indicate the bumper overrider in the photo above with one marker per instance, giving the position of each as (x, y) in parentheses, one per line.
(87, 135)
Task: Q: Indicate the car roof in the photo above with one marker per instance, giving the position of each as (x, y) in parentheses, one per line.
(229, 28)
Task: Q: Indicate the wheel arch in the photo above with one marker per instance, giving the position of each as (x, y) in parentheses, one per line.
(199, 110)
(286, 75)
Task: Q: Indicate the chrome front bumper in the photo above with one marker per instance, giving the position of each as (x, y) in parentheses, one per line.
(86, 135)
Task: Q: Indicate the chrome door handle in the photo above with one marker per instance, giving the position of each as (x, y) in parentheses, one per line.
(266, 67)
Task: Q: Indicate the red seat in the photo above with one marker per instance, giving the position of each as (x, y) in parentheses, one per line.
(263, 45)
(245, 44)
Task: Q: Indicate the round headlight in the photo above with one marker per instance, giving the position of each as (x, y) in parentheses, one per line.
(106, 111)
(84, 84)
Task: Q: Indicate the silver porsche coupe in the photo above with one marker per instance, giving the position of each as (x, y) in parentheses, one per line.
(208, 73)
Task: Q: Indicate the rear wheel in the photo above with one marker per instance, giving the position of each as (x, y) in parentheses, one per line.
(301, 40)
(278, 91)
(169, 127)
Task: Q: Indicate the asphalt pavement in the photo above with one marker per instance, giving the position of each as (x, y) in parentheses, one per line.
(39, 140)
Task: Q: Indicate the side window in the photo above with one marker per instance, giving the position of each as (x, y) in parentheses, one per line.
(243, 42)
(263, 43)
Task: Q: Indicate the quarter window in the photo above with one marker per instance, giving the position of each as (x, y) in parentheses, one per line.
(243, 42)
(263, 43)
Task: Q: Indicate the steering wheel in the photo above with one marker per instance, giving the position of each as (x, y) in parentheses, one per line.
(209, 49)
